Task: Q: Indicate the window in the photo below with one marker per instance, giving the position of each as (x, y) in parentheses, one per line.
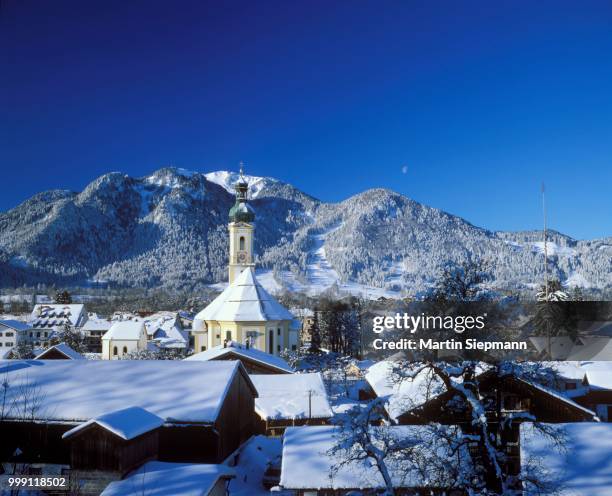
(114, 351)
(124, 350)
(9, 343)
(278, 331)
(1, 343)
(46, 334)
(293, 347)
(0, 334)
(271, 341)
(278, 348)
(8, 334)
(228, 335)
(241, 243)
(38, 334)
(202, 348)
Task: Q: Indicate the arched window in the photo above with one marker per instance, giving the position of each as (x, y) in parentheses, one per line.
(241, 243)
(124, 350)
(114, 351)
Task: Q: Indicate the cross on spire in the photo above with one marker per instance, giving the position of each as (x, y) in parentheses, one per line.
(242, 169)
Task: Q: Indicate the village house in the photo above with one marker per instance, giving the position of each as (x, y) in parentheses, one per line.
(12, 332)
(588, 384)
(93, 330)
(123, 338)
(254, 361)
(65, 412)
(290, 400)
(244, 312)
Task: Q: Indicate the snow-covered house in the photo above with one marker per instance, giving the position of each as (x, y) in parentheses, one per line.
(55, 315)
(166, 331)
(122, 338)
(163, 479)
(310, 468)
(289, 400)
(11, 332)
(48, 318)
(594, 342)
(255, 361)
(60, 351)
(93, 330)
(589, 384)
(112, 444)
(244, 312)
(208, 408)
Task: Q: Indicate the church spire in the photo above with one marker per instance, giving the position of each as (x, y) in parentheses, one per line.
(241, 211)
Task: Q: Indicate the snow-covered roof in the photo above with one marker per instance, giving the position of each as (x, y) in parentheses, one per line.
(167, 332)
(64, 349)
(163, 478)
(57, 314)
(584, 467)
(402, 395)
(79, 390)
(96, 324)
(245, 300)
(127, 423)
(240, 351)
(291, 396)
(307, 462)
(597, 374)
(16, 325)
(125, 330)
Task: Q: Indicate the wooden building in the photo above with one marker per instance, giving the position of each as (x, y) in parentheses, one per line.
(208, 408)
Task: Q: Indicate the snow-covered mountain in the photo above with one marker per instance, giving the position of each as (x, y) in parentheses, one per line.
(169, 229)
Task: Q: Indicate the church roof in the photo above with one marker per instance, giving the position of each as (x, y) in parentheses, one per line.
(245, 300)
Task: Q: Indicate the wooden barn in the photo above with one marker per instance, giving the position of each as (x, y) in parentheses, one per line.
(207, 408)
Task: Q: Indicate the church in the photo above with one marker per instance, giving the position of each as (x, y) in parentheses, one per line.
(244, 312)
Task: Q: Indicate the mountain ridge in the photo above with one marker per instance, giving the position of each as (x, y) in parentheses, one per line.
(168, 229)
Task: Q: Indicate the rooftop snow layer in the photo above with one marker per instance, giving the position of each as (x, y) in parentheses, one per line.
(584, 467)
(79, 390)
(17, 325)
(125, 330)
(307, 462)
(162, 478)
(244, 300)
(128, 423)
(65, 350)
(239, 350)
(291, 396)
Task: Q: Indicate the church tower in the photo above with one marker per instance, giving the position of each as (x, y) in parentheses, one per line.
(241, 226)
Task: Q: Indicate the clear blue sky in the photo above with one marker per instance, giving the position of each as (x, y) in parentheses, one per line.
(477, 102)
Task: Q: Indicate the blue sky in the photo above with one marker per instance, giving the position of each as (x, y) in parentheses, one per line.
(464, 106)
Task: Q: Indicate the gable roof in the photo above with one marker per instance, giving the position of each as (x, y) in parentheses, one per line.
(62, 348)
(16, 325)
(291, 396)
(238, 351)
(245, 300)
(47, 315)
(129, 330)
(127, 423)
(163, 478)
(79, 390)
(96, 324)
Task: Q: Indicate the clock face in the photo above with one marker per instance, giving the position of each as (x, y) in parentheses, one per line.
(242, 256)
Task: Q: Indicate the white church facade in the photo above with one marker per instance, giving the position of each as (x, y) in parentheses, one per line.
(244, 312)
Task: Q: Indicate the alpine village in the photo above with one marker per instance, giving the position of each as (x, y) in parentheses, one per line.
(249, 395)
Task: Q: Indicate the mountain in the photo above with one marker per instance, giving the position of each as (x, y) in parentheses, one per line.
(169, 229)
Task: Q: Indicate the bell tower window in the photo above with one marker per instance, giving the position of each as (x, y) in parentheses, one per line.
(241, 243)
